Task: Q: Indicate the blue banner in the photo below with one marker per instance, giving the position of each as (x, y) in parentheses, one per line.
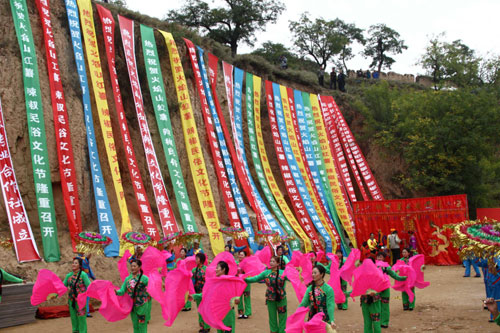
(294, 168)
(238, 119)
(104, 214)
(226, 157)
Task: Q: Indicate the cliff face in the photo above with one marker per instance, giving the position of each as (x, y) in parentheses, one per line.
(13, 102)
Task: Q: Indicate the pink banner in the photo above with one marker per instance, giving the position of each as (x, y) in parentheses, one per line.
(24, 242)
(167, 218)
(147, 218)
(64, 146)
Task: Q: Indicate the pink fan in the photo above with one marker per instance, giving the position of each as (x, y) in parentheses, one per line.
(189, 263)
(350, 264)
(122, 265)
(295, 322)
(379, 263)
(217, 295)
(417, 262)
(177, 285)
(264, 255)
(316, 324)
(223, 256)
(47, 282)
(334, 281)
(320, 255)
(252, 266)
(155, 286)
(154, 260)
(409, 283)
(294, 276)
(113, 308)
(368, 277)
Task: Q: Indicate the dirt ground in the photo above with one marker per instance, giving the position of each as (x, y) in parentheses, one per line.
(450, 303)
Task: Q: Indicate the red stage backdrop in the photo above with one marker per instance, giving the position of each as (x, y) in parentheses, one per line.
(490, 213)
(424, 216)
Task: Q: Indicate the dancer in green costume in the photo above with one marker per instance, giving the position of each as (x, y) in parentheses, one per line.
(407, 306)
(198, 282)
(275, 294)
(385, 295)
(229, 320)
(283, 259)
(245, 304)
(319, 296)
(135, 285)
(77, 282)
(370, 307)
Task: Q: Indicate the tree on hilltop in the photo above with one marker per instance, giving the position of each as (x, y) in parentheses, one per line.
(321, 39)
(236, 22)
(381, 42)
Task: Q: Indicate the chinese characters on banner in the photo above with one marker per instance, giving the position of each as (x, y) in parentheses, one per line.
(64, 145)
(36, 131)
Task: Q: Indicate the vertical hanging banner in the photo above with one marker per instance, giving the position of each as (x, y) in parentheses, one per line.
(268, 173)
(168, 222)
(91, 48)
(36, 130)
(157, 91)
(214, 107)
(104, 214)
(253, 89)
(200, 80)
(236, 118)
(330, 180)
(367, 174)
(288, 108)
(333, 123)
(330, 245)
(290, 185)
(64, 145)
(337, 152)
(145, 211)
(22, 237)
(324, 202)
(240, 170)
(193, 148)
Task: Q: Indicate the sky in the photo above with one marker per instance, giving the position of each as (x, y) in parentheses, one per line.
(476, 23)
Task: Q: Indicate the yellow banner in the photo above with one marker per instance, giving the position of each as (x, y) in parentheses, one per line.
(193, 148)
(278, 196)
(296, 152)
(94, 62)
(331, 171)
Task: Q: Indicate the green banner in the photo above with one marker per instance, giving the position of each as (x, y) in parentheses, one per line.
(36, 130)
(295, 244)
(157, 91)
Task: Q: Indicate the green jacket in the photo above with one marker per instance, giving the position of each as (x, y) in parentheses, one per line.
(325, 302)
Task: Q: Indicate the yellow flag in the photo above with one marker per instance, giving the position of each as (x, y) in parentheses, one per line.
(193, 148)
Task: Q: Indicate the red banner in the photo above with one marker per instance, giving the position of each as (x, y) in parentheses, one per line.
(167, 218)
(20, 228)
(61, 126)
(489, 213)
(147, 218)
(291, 188)
(232, 212)
(424, 217)
(339, 158)
(352, 147)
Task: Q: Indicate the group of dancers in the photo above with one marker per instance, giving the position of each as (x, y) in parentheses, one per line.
(318, 295)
